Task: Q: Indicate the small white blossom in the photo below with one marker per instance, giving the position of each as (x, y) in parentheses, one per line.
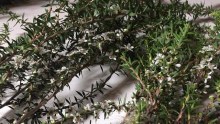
(159, 55)
(170, 103)
(102, 105)
(210, 59)
(63, 68)
(115, 8)
(17, 61)
(205, 81)
(128, 47)
(52, 80)
(209, 77)
(111, 56)
(54, 51)
(15, 121)
(170, 79)
(118, 35)
(211, 66)
(178, 65)
(207, 86)
(160, 81)
(96, 13)
(87, 107)
(95, 113)
(204, 63)
(125, 30)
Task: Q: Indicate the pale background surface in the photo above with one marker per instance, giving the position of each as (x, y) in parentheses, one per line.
(123, 87)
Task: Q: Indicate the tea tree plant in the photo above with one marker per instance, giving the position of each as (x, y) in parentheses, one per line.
(173, 59)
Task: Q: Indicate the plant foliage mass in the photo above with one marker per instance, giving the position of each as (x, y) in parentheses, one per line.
(174, 59)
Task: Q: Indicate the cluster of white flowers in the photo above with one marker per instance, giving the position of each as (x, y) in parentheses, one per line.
(17, 61)
(158, 58)
(206, 63)
(208, 48)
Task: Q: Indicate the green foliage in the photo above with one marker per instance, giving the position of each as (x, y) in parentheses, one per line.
(174, 60)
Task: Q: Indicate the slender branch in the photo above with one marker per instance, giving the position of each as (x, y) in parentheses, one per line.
(15, 95)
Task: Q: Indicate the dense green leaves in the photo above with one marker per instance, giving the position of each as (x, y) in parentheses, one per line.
(174, 59)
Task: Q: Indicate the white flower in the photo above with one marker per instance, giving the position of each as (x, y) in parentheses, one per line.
(210, 59)
(54, 51)
(159, 55)
(156, 62)
(210, 75)
(118, 35)
(115, 8)
(201, 65)
(96, 13)
(170, 103)
(178, 65)
(211, 66)
(63, 68)
(160, 81)
(102, 105)
(111, 56)
(87, 107)
(158, 58)
(207, 86)
(205, 81)
(17, 60)
(170, 79)
(52, 80)
(128, 47)
(15, 121)
(95, 113)
(125, 30)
